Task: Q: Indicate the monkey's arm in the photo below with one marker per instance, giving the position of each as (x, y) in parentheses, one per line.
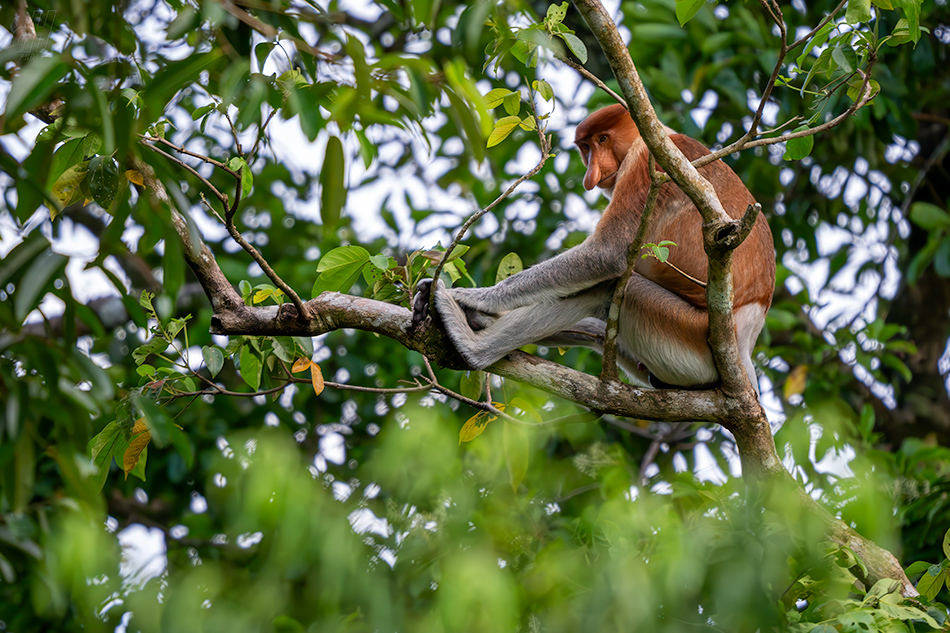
(567, 274)
(518, 327)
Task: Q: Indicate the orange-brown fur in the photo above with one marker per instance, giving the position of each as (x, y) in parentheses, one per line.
(663, 323)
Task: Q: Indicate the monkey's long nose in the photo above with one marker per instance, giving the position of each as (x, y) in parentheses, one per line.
(592, 177)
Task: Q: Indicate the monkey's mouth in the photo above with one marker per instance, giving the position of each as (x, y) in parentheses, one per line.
(608, 182)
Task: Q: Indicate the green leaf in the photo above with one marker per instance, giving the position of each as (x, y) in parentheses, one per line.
(513, 103)
(382, 262)
(239, 165)
(496, 97)
(339, 269)
(858, 11)
(458, 251)
(556, 13)
(845, 57)
(516, 444)
(472, 384)
(68, 155)
(367, 148)
(251, 367)
(176, 76)
(103, 180)
(34, 284)
(799, 148)
(932, 581)
(529, 123)
(332, 183)
(155, 346)
(214, 359)
(897, 365)
(929, 216)
(203, 110)
(942, 258)
(33, 85)
(576, 45)
(503, 127)
(466, 121)
(102, 447)
(911, 9)
(687, 9)
(946, 544)
(917, 568)
(510, 264)
(544, 89)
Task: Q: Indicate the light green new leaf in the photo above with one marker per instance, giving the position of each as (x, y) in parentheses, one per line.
(687, 9)
(544, 89)
(496, 97)
(512, 103)
(510, 265)
(240, 166)
(503, 127)
(556, 13)
(339, 269)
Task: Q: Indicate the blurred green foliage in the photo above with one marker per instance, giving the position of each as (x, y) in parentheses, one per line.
(357, 511)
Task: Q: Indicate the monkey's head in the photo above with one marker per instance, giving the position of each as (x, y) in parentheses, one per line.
(603, 139)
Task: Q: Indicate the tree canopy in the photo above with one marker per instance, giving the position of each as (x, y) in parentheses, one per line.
(218, 415)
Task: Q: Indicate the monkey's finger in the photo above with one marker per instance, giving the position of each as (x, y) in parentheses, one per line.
(420, 301)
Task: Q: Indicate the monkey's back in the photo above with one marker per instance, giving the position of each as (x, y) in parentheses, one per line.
(675, 218)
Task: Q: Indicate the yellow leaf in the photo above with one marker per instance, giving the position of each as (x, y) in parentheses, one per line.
(795, 383)
(316, 377)
(135, 177)
(140, 426)
(473, 427)
(66, 188)
(301, 364)
(262, 295)
(134, 451)
(476, 424)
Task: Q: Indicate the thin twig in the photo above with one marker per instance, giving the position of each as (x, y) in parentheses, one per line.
(591, 77)
(217, 194)
(545, 144)
(686, 275)
(181, 149)
(229, 210)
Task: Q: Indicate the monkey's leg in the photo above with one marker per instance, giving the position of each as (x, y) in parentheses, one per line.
(515, 328)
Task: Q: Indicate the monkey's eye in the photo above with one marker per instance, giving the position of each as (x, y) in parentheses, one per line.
(603, 138)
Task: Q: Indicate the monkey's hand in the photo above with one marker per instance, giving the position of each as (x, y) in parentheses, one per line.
(420, 301)
(476, 319)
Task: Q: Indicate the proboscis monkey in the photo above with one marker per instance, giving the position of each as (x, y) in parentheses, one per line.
(663, 325)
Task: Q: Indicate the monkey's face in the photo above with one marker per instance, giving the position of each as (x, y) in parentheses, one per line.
(597, 152)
